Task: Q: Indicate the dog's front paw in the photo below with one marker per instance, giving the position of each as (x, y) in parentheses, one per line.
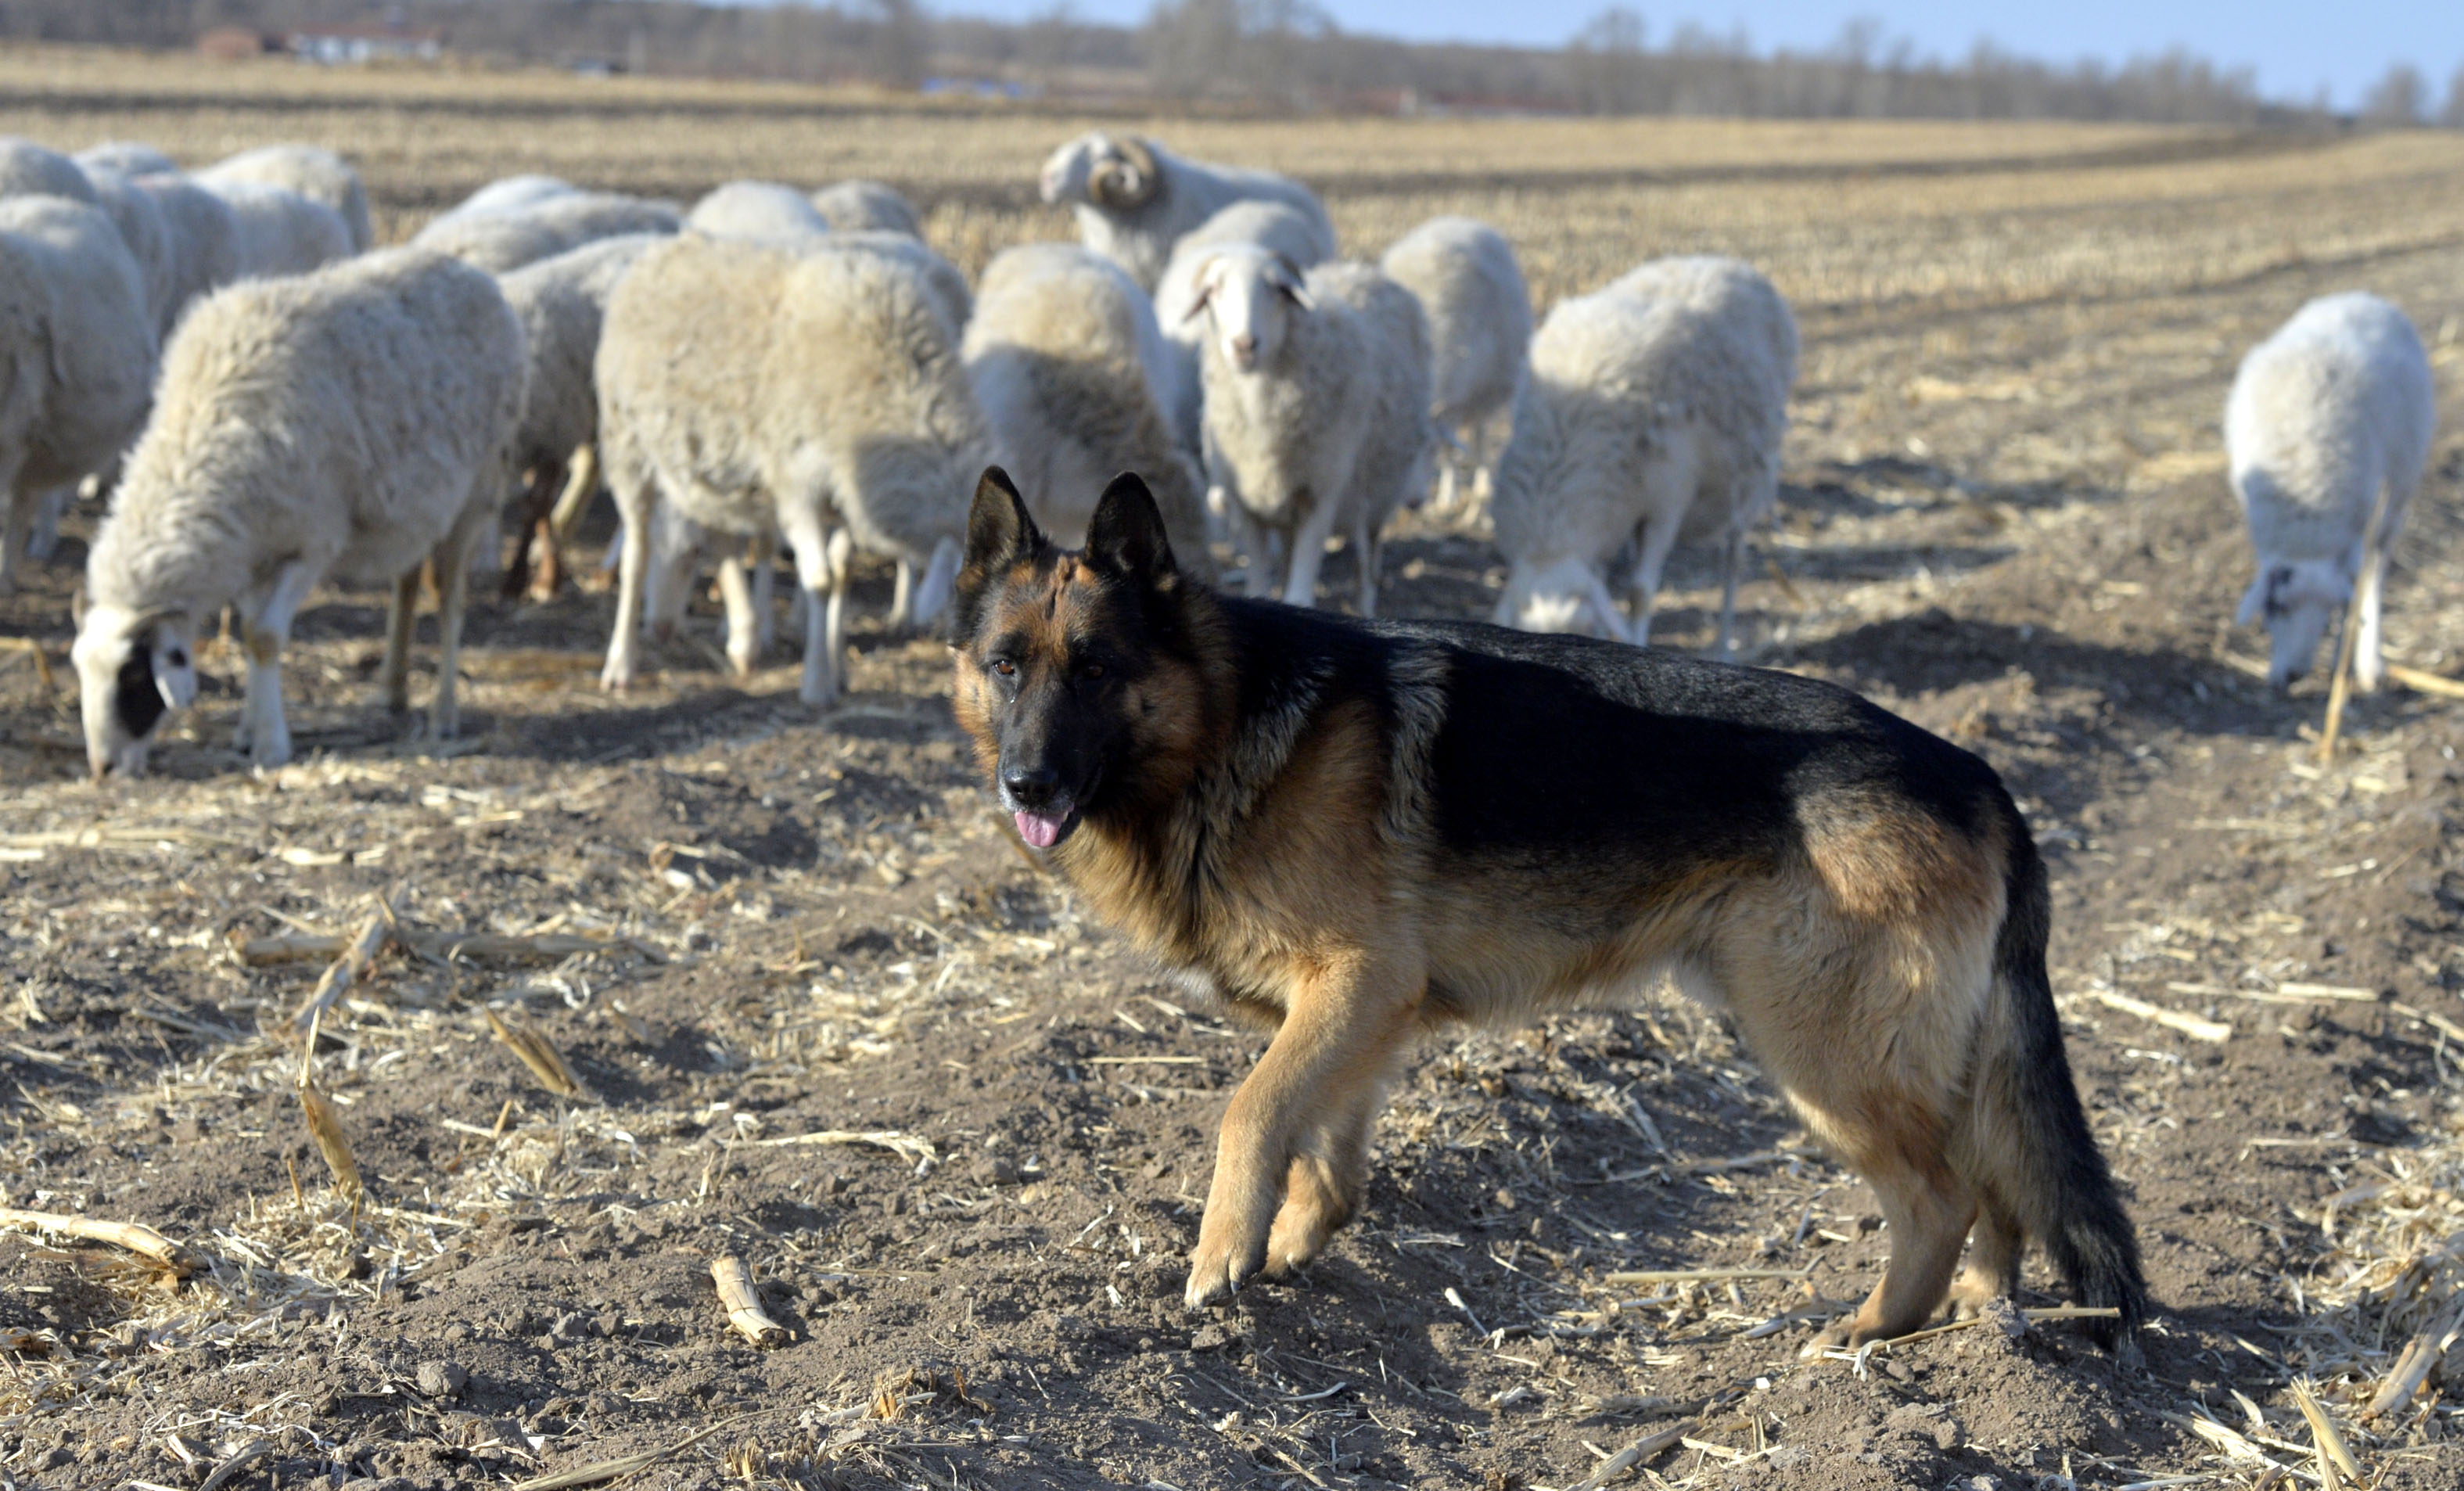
(1222, 1263)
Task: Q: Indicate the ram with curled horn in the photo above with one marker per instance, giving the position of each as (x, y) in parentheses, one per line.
(1134, 199)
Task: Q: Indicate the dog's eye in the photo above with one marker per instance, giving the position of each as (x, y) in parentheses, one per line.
(1091, 671)
(1005, 667)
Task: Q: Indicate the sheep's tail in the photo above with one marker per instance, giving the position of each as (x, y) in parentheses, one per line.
(2039, 1160)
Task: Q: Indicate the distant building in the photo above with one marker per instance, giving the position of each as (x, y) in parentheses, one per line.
(236, 43)
(336, 45)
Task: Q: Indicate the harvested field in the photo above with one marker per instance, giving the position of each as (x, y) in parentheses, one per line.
(691, 974)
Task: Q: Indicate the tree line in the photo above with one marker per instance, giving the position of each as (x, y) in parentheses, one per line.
(1274, 54)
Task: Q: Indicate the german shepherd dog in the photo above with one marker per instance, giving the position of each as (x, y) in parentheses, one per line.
(1354, 831)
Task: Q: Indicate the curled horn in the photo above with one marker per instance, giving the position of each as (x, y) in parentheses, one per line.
(1129, 183)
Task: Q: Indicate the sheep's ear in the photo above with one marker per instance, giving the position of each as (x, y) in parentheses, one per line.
(175, 670)
(1126, 535)
(2253, 601)
(1286, 276)
(1000, 530)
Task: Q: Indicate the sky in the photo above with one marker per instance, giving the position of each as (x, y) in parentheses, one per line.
(2295, 48)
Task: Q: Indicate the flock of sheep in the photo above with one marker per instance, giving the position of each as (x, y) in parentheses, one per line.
(268, 403)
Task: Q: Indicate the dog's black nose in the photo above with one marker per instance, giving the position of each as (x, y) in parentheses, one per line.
(1032, 789)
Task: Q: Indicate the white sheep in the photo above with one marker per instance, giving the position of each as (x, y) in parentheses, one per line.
(561, 303)
(813, 391)
(506, 195)
(148, 237)
(1062, 352)
(1317, 409)
(78, 353)
(351, 423)
(757, 212)
(2328, 430)
(311, 171)
(1134, 200)
(1654, 409)
(277, 230)
(860, 206)
(1179, 313)
(1479, 333)
(130, 158)
(204, 237)
(28, 169)
(505, 240)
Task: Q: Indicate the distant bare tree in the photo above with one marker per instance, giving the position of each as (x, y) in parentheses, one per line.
(1605, 64)
(2453, 115)
(2399, 98)
(902, 43)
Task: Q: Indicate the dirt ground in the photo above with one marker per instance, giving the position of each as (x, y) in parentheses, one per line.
(827, 1019)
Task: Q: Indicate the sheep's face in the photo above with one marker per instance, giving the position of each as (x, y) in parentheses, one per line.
(132, 673)
(2297, 598)
(1248, 297)
(1566, 595)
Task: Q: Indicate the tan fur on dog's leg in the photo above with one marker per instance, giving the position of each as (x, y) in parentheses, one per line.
(1344, 1025)
(1992, 1271)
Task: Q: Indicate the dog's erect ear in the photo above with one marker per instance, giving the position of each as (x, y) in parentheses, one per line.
(998, 527)
(1126, 535)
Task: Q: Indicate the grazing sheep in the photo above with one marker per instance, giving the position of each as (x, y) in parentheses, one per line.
(1134, 199)
(1479, 332)
(351, 423)
(148, 238)
(861, 206)
(757, 212)
(1269, 225)
(1062, 352)
(313, 172)
(204, 238)
(507, 194)
(561, 302)
(813, 391)
(278, 231)
(506, 240)
(1317, 409)
(77, 355)
(2328, 430)
(1669, 386)
(128, 157)
(28, 169)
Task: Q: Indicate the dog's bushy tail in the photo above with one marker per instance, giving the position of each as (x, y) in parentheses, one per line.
(2043, 1160)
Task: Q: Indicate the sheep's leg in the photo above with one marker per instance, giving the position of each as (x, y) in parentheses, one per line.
(44, 539)
(1656, 538)
(1448, 486)
(902, 598)
(634, 510)
(840, 549)
(264, 628)
(747, 607)
(1309, 553)
(453, 562)
(401, 622)
(761, 555)
(15, 525)
(1729, 591)
(667, 584)
(2369, 668)
(1366, 548)
(821, 571)
(580, 485)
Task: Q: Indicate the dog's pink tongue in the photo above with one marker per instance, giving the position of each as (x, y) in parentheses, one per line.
(1041, 830)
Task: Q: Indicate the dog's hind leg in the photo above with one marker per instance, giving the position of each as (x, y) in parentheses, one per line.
(1992, 1271)
(1927, 1212)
